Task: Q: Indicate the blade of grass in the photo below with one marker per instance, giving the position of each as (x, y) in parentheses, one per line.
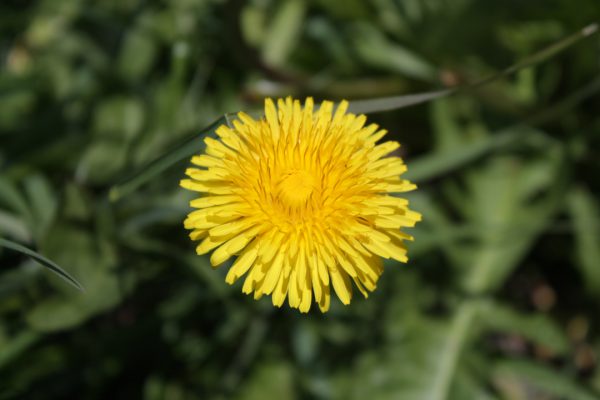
(398, 102)
(572, 100)
(42, 260)
(144, 174)
(539, 376)
(432, 165)
(453, 346)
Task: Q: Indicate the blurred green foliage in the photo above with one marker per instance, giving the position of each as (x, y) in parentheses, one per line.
(500, 298)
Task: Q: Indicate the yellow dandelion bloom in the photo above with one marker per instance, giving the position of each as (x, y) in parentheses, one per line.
(304, 199)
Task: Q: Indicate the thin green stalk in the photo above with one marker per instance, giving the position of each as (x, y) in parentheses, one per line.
(42, 260)
(457, 336)
(397, 102)
(183, 150)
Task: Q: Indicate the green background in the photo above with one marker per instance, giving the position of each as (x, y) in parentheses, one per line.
(498, 301)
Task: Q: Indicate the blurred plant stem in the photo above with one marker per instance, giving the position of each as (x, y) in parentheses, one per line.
(460, 325)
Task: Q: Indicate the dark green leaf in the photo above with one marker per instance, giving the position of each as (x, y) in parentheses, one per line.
(154, 168)
(585, 213)
(42, 260)
(536, 327)
(547, 380)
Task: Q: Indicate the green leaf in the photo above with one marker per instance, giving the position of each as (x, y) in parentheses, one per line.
(119, 118)
(274, 380)
(378, 51)
(585, 213)
(137, 54)
(42, 260)
(549, 381)
(43, 203)
(15, 346)
(13, 226)
(468, 385)
(443, 371)
(397, 102)
(102, 161)
(94, 265)
(284, 32)
(569, 102)
(431, 165)
(499, 205)
(536, 327)
(252, 24)
(62, 312)
(156, 388)
(12, 198)
(505, 203)
(180, 152)
(305, 342)
(448, 132)
(424, 362)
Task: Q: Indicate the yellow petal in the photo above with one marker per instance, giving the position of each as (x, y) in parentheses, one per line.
(305, 201)
(325, 300)
(273, 274)
(232, 246)
(281, 290)
(382, 150)
(232, 228)
(205, 160)
(242, 264)
(293, 293)
(210, 201)
(341, 286)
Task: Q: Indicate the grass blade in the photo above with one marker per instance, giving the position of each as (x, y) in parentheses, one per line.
(398, 102)
(42, 260)
(453, 345)
(550, 381)
(432, 165)
(180, 152)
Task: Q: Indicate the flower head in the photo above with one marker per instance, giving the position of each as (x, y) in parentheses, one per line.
(304, 199)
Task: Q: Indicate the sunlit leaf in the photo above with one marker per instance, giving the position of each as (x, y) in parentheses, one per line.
(585, 213)
(435, 350)
(284, 32)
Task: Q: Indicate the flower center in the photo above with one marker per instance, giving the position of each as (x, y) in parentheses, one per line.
(295, 187)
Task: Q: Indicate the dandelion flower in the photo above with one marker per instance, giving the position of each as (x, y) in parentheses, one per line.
(305, 201)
